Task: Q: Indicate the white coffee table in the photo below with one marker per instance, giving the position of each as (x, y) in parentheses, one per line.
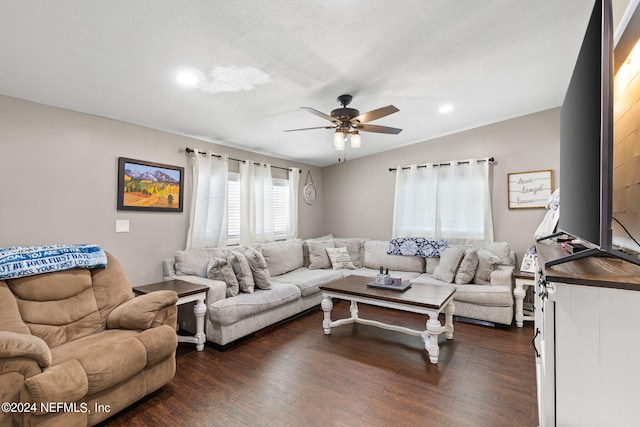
(424, 299)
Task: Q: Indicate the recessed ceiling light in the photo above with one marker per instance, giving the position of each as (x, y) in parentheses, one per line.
(188, 78)
(447, 108)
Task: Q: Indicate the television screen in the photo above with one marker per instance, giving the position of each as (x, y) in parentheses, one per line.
(586, 136)
(586, 143)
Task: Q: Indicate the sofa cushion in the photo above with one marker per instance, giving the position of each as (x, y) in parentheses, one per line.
(231, 310)
(375, 256)
(111, 287)
(282, 257)
(486, 295)
(59, 306)
(195, 262)
(242, 269)
(355, 247)
(111, 356)
(371, 272)
(258, 265)
(449, 263)
(340, 258)
(309, 280)
(467, 268)
(495, 296)
(318, 257)
(428, 279)
(487, 262)
(220, 269)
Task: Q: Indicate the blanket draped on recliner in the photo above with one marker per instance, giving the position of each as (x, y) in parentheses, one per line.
(22, 261)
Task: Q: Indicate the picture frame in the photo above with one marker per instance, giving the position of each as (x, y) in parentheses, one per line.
(530, 190)
(528, 263)
(149, 186)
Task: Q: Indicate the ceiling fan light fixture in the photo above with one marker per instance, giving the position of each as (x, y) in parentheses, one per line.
(356, 142)
(338, 140)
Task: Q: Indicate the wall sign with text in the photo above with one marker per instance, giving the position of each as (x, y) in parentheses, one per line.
(530, 189)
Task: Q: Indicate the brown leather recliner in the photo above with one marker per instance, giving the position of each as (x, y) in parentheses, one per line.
(76, 347)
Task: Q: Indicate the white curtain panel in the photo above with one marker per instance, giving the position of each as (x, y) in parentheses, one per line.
(292, 219)
(208, 222)
(451, 202)
(256, 199)
(414, 211)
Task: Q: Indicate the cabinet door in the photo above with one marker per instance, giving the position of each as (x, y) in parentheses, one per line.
(597, 348)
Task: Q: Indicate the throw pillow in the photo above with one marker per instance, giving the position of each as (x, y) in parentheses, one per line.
(340, 258)
(194, 262)
(500, 249)
(354, 246)
(449, 262)
(487, 262)
(305, 247)
(318, 257)
(418, 246)
(259, 269)
(242, 269)
(220, 269)
(467, 268)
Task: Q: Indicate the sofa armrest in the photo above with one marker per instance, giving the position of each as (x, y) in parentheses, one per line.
(144, 312)
(502, 276)
(13, 344)
(66, 382)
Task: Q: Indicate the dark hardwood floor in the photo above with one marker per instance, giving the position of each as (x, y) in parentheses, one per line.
(294, 375)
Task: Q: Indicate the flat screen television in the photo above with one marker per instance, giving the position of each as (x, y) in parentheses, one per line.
(586, 143)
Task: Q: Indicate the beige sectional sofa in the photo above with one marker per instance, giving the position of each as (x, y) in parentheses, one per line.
(295, 269)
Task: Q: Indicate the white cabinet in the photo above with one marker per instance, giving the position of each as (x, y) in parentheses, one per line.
(597, 335)
(588, 344)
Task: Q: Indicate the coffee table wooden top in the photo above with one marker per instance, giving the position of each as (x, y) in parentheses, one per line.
(423, 295)
(181, 287)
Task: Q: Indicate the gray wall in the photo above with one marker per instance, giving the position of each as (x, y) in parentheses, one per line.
(59, 175)
(359, 193)
(59, 179)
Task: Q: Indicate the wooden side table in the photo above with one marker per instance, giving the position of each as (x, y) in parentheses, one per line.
(187, 292)
(524, 279)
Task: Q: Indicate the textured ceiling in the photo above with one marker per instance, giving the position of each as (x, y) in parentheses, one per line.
(491, 59)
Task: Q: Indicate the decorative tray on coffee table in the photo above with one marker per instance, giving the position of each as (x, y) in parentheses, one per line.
(403, 286)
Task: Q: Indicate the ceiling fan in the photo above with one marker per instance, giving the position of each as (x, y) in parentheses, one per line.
(349, 122)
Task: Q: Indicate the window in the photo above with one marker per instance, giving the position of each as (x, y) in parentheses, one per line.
(233, 209)
(280, 208)
(444, 201)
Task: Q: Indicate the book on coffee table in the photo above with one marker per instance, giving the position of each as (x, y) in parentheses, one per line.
(403, 286)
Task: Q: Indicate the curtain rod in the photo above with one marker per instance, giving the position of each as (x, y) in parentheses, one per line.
(490, 159)
(191, 150)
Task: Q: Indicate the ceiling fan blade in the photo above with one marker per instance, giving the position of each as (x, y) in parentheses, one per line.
(375, 114)
(378, 129)
(320, 127)
(321, 114)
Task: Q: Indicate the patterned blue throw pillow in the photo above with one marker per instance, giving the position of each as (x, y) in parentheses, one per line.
(416, 246)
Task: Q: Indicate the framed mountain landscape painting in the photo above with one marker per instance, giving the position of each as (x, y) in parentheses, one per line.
(147, 186)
